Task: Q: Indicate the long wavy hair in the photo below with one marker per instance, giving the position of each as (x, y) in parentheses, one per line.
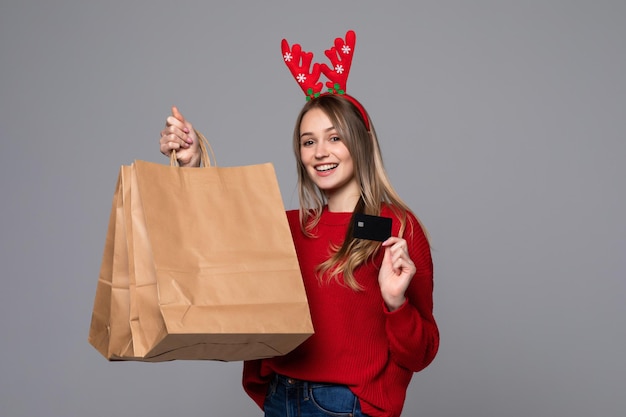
(371, 176)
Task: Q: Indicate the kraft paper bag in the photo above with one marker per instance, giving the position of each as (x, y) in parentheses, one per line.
(212, 271)
(110, 327)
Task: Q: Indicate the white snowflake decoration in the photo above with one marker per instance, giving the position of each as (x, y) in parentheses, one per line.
(345, 49)
(339, 69)
(288, 56)
(301, 78)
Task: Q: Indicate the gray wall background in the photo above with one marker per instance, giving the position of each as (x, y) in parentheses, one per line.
(502, 124)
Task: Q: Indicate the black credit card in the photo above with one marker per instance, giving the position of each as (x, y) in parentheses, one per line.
(370, 227)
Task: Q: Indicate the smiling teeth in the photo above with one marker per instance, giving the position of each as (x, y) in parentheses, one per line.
(326, 167)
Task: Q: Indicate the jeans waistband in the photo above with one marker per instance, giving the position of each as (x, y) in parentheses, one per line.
(293, 382)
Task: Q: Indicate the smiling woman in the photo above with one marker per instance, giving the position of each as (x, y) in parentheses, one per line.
(371, 302)
(327, 161)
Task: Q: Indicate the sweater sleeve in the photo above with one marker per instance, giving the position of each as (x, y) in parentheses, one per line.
(411, 330)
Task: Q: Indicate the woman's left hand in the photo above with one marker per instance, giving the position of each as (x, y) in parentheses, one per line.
(396, 272)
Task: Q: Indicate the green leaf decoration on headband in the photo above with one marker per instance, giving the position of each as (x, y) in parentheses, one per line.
(310, 94)
(336, 89)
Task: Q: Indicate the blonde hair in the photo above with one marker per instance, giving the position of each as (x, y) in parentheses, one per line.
(371, 177)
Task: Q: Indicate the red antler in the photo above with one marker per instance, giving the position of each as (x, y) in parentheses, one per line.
(299, 63)
(340, 56)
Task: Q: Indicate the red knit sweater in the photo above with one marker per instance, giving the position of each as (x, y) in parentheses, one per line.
(357, 341)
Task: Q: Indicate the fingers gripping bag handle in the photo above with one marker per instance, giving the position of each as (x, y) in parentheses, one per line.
(205, 150)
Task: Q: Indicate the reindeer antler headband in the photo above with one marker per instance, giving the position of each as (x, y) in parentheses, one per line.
(340, 55)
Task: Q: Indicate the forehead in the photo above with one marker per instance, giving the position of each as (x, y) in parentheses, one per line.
(315, 120)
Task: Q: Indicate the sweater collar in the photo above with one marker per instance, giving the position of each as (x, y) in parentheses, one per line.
(335, 218)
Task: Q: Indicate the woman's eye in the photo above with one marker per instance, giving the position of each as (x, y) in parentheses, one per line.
(335, 138)
(307, 143)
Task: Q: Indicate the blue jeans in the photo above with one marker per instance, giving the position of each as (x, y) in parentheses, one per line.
(288, 397)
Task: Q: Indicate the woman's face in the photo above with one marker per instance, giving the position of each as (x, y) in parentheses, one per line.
(325, 156)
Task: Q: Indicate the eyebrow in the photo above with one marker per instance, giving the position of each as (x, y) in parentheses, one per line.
(330, 129)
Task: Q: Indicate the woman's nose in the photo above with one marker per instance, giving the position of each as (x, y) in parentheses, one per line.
(320, 150)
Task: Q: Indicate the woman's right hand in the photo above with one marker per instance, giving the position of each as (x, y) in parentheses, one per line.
(179, 136)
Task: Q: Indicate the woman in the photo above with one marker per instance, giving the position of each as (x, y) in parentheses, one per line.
(371, 303)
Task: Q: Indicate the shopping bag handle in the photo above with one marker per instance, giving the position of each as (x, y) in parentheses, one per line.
(205, 149)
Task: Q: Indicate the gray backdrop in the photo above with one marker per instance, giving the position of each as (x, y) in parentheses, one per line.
(502, 125)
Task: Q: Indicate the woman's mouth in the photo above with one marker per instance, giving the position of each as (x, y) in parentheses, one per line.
(325, 167)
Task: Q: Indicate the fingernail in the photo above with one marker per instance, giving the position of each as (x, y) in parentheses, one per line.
(186, 130)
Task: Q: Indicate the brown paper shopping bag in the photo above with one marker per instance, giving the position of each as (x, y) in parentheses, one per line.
(110, 327)
(212, 270)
